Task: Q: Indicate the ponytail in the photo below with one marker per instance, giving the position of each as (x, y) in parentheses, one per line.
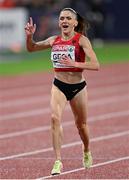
(82, 26)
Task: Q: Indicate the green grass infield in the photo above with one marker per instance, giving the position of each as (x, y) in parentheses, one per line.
(25, 62)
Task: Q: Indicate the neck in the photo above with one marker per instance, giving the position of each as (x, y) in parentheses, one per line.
(68, 36)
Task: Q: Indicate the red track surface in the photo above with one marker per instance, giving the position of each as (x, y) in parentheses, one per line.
(25, 140)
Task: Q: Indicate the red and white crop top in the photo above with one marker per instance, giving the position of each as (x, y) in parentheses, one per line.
(70, 48)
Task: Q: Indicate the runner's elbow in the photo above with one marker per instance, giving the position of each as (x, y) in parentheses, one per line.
(97, 66)
(30, 49)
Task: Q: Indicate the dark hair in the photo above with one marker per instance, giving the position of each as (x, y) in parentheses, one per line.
(83, 25)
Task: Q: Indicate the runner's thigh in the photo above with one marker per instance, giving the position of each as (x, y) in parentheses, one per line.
(58, 101)
(79, 105)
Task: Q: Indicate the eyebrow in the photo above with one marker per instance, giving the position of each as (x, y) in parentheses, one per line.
(63, 17)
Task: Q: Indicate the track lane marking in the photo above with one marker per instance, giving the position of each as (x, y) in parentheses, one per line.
(24, 101)
(96, 139)
(93, 166)
(41, 111)
(29, 100)
(65, 124)
(110, 79)
(33, 89)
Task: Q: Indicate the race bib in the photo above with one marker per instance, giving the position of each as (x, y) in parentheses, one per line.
(58, 51)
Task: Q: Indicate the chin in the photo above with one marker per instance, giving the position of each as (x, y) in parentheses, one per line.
(66, 31)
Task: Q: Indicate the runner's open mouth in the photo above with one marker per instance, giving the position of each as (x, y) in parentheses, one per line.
(65, 26)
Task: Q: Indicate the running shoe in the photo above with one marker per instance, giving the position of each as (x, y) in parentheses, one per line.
(57, 167)
(87, 159)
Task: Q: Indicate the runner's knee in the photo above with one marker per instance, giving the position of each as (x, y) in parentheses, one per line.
(81, 126)
(55, 120)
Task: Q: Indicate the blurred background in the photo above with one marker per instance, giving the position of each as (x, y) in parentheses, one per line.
(109, 31)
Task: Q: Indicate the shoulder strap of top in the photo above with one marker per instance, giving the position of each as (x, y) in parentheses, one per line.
(75, 39)
(77, 36)
(56, 39)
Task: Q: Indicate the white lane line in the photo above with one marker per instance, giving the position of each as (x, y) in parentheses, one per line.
(12, 90)
(65, 124)
(110, 99)
(109, 89)
(35, 112)
(24, 101)
(100, 138)
(41, 88)
(94, 166)
(46, 97)
(24, 114)
(22, 90)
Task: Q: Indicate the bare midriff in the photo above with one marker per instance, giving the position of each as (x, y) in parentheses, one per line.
(70, 77)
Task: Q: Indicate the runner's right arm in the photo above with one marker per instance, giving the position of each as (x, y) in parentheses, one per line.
(31, 45)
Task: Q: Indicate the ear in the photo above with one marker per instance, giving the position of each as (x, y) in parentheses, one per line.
(76, 23)
(59, 25)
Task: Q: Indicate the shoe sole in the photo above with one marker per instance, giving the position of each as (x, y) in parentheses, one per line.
(53, 174)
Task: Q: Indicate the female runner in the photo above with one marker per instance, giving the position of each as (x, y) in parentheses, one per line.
(71, 54)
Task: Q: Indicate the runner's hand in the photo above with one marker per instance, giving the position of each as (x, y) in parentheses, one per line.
(65, 60)
(30, 28)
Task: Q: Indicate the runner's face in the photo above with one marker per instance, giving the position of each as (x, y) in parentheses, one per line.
(67, 21)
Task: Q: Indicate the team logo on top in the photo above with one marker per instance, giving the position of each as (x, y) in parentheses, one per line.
(71, 49)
